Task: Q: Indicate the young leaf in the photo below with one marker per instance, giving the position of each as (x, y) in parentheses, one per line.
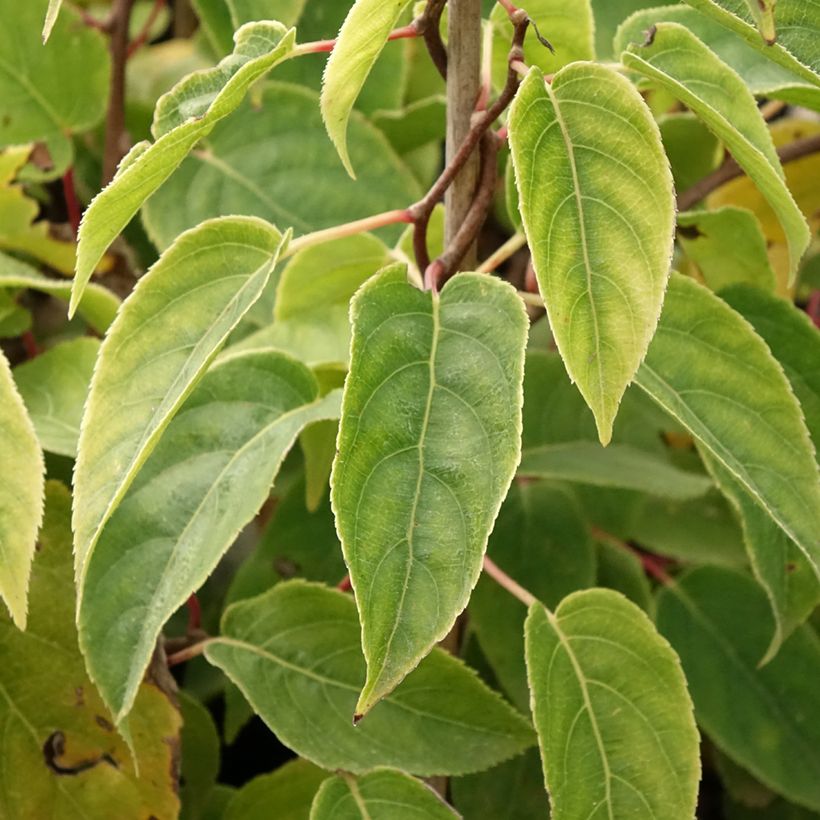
(612, 712)
(685, 67)
(383, 794)
(186, 114)
(217, 460)
(766, 719)
(295, 652)
(21, 496)
(705, 367)
(54, 387)
(596, 199)
(362, 37)
(428, 444)
(57, 734)
(160, 344)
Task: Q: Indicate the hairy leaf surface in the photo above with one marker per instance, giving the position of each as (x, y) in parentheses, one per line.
(708, 368)
(685, 67)
(612, 711)
(295, 653)
(428, 443)
(160, 344)
(596, 199)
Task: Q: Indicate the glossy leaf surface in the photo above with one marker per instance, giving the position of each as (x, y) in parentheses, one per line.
(428, 443)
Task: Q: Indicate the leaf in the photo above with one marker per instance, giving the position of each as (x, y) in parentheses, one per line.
(383, 794)
(183, 116)
(621, 570)
(692, 149)
(779, 810)
(763, 14)
(765, 719)
(160, 344)
(728, 247)
(51, 18)
(246, 11)
(54, 387)
(514, 790)
(540, 535)
(361, 39)
(295, 653)
(704, 367)
(428, 444)
(97, 307)
(57, 734)
(596, 199)
(686, 68)
(285, 794)
(49, 91)
(21, 496)
(618, 465)
(217, 460)
(612, 712)
(290, 178)
(14, 320)
(200, 756)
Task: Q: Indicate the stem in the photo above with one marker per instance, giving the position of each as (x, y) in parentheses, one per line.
(30, 344)
(324, 46)
(369, 223)
(344, 585)
(194, 612)
(813, 307)
(142, 38)
(430, 26)
(532, 299)
(71, 203)
(115, 135)
(192, 651)
(503, 253)
(731, 170)
(653, 565)
(513, 587)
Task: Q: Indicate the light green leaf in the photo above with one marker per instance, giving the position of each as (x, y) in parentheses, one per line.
(14, 319)
(54, 387)
(292, 177)
(217, 459)
(51, 18)
(97, 307)
(685, 67)
(246, 11)
(361, 39)
(728, 247)
(183, 116)
(612, 711)
(61, 755)
(295, 653)
(383, 794)
(428, 444)
(49, 91)
(609, 14)
(763, 14)
(766, 719)
(618, 465)
(21, 496)
(596, 198)
(705, 367)
(285, 794)
(160, 344)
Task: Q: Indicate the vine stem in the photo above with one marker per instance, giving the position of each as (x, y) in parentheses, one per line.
(503, 580)
(142, 38)
(190, 652)
(323, 46)
(653, 565)
(503, 253)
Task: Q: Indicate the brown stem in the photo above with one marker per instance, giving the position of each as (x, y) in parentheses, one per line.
(142, 38)
(731, 170)
(430, 27)
(115, 134)
(502, 579)
(653, 565)
(192, 651)
(194, 613)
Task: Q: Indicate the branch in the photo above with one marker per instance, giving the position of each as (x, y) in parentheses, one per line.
(192, 651)
(430, 28)
(142, 38)
(513, 587)
(731, 170)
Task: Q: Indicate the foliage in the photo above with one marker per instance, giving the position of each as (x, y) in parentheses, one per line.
(364, 528)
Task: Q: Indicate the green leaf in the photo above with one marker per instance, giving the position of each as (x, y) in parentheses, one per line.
(49, 91)
(428, 444)
(285, 794)
(246, 11)
(97, 307)
(692, 149)
(596, 199)
(539, 536)
(617, 465)
(383, 794)
(685, 67)
(51, 18)
(21, 496)
(183, 116)
(704, 367)
(160, 344)
(361, 39)
(54, 387)
(514, 790)
(778, 810)
(766, 719)
(217, 459)
(295, 652)
(58, 737)
(728, 247)
(612, 712)
(14, 319)
(290, 178)
(200, 756)
(621, 570)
